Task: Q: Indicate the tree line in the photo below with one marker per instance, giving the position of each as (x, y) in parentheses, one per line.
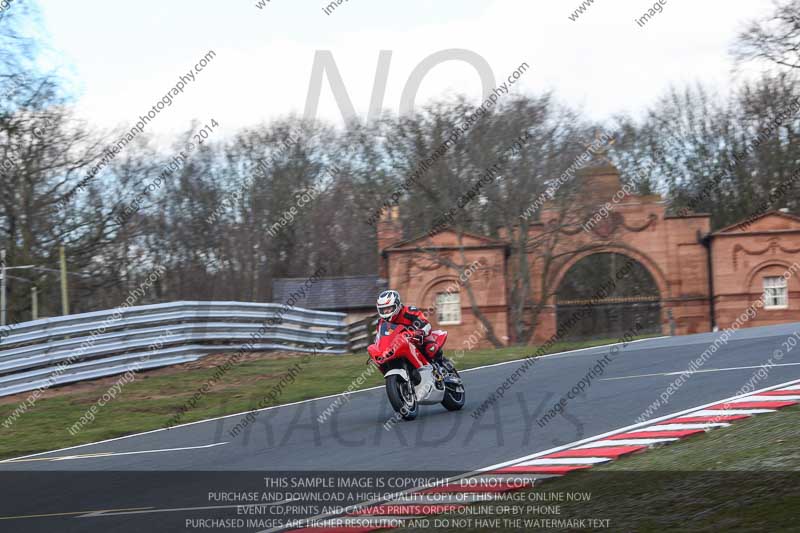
(286, 197)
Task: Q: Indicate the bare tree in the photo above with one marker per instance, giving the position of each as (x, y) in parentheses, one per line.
(775, 39)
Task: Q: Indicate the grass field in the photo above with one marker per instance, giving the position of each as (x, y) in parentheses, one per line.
(740, 478)
(154, 397)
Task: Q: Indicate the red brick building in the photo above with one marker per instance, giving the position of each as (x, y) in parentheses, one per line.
(670, 273)
(759, 257)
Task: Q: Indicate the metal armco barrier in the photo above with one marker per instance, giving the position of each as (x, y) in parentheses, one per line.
(361, 333)
(54, 351)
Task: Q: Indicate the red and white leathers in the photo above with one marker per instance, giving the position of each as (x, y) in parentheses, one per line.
(413, 318)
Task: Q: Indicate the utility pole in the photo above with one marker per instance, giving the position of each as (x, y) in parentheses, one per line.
(4, 276)
(64, 295)
(3, 287)
(34, 303)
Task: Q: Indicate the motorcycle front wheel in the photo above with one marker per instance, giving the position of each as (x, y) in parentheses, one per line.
(402, 397)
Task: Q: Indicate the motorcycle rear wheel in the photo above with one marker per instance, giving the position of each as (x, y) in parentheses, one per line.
(454, 395)
(401, 396)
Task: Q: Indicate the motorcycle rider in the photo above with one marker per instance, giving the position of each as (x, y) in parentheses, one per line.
(391, 309)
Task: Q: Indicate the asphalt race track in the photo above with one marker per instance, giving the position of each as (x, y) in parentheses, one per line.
(158, 480)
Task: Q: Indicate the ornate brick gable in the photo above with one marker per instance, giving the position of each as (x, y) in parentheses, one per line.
(746, 253)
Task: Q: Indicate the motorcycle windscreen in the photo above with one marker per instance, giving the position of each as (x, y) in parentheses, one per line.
(386, 331)
(387, 328)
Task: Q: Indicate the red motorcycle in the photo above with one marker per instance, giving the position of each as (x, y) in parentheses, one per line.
(411, 380)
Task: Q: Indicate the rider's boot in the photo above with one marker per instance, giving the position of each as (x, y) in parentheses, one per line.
(448, 367)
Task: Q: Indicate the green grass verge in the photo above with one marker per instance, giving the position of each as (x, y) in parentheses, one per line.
(153, 398)
(740, 478)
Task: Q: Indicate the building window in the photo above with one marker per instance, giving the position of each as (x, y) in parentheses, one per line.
(776, 293)
(448, 308)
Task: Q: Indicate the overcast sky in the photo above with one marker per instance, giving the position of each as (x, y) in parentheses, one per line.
(122, 56)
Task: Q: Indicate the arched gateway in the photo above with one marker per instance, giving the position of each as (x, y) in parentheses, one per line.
(613, 294)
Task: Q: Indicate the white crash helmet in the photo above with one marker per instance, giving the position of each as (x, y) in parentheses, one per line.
(388, 304)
